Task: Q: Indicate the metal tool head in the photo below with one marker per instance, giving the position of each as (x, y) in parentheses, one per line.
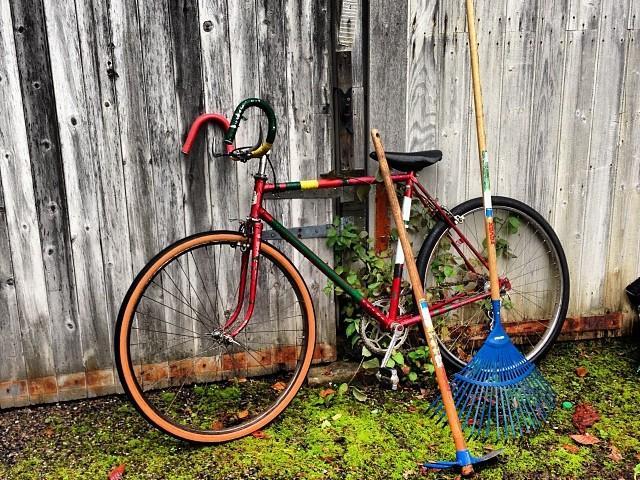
(462, 460)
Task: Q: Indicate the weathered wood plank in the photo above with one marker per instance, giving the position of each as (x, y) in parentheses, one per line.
(358, 100)
(387, 89)
(387, 72)
(79, 158)
(221, 181)
(577, 113)
(545, 109)
(584, 14)
(185, 36)
(160, 99)
(422, 81)
(521, 15)
(306, 40)
(603, 157)
(164, 140)
(48, 181)
(127, 75)
(454, 108)
(514, 164)
(623, 264)
(21, 217)
(97, 61)
(245, 80)
(452, 17)
(491, 50)
(13, 366)
(634, 15)
(423, 89)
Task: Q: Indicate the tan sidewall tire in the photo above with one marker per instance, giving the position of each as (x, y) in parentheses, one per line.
(131, 384)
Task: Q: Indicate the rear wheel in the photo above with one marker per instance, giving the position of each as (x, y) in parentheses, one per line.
(533, 272)
(185, 371)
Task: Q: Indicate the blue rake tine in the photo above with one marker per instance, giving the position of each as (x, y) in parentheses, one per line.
(499, 392)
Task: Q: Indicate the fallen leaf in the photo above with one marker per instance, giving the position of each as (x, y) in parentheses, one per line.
(117, 473)
(412, 408)
(49, 432)
(615, 454)
(243, 414)
(217, 425)
(326, 392)
(242, 379)
(405, 369)
(359, 395)
(571, 448)
(259, 434)
(586, 439)
(585, 416)
(325, 424)
(279, 386)
(581, 372)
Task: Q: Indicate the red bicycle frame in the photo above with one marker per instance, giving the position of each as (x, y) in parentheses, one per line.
(254, 228)
(258, 214)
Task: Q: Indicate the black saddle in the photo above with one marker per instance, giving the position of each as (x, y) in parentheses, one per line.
(412, 161)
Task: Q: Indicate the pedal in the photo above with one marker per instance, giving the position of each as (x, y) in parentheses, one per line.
(388, 377)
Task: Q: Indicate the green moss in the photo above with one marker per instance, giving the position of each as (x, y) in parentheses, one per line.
(384, 437)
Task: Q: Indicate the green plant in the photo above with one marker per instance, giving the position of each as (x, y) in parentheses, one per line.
(359, 265)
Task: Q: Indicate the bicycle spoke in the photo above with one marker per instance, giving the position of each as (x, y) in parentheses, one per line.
(145, 314)
(196, 312)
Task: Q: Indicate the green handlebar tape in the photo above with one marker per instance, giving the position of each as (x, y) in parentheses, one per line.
(237, 117)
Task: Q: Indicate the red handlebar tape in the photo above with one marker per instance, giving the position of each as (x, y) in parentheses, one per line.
(195, 128)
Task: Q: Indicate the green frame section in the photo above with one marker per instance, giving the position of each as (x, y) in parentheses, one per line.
(315, 259)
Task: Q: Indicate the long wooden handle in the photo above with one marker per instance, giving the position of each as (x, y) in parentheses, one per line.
(489, 226)
(418, 292)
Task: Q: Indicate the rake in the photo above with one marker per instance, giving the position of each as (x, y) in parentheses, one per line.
(499, 390)
(464, 460)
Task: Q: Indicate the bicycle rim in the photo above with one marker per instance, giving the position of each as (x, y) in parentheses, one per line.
(535, 294)
(178, 361)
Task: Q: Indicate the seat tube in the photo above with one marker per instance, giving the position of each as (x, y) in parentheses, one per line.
(398, 268)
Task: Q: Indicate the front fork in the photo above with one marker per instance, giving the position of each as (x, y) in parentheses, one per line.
(250, 256)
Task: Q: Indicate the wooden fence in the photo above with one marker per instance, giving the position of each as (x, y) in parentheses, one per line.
(561, 80)
(95, 99)
(96, 96)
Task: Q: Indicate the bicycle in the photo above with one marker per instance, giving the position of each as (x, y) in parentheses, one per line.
(216, 333)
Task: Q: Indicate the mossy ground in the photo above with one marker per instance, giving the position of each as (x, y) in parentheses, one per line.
(384, 437)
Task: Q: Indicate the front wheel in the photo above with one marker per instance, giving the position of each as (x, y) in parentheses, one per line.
(184, 368)
(531, 266)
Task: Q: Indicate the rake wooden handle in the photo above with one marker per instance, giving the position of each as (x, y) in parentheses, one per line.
(418, 292)
(489, 226)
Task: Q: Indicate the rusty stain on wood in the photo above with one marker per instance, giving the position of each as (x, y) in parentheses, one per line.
(383, 224)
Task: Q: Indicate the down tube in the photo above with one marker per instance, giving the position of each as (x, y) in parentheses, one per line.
(321, 265)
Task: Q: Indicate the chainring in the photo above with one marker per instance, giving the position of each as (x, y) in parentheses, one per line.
(375, 338)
